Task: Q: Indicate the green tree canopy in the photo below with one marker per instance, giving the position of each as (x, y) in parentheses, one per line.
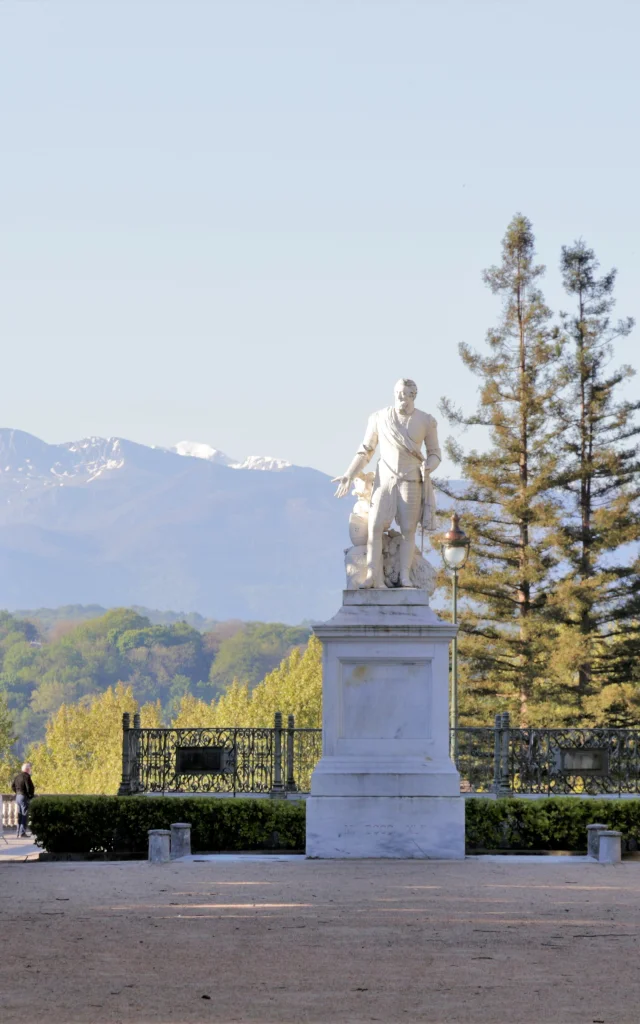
(82, 749)
(598, 595)
(294, 688)
(8, 761)
(253, 651)
(508, 501)
(39, 672)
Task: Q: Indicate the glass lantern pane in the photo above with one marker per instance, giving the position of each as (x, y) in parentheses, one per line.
(455, 556)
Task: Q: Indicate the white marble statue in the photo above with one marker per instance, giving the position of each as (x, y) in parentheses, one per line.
(401, 490)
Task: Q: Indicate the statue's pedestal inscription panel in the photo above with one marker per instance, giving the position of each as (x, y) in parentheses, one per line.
(385, 786)
(385, 701)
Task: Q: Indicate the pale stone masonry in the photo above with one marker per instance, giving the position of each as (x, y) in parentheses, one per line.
(385, 785)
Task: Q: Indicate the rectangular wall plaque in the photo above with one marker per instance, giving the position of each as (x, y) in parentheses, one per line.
(583, 760)
(200, 760)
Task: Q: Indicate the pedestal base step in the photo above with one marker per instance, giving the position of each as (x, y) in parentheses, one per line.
(427, 828)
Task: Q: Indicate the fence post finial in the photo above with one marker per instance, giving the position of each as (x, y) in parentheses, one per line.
(125, 782)
(277, 788)
(291, 786)
(501, 754)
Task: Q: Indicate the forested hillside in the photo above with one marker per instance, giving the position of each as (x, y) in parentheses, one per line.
(43, 668)
(48, 618)
(82, 749)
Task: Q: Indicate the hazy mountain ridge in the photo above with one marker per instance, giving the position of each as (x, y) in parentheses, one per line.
(48, 618)
(25, 459)
(113, 522)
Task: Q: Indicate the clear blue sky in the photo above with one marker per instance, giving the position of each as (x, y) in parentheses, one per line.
(239, 222)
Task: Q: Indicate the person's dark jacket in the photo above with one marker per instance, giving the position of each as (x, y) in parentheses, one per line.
(23, 786)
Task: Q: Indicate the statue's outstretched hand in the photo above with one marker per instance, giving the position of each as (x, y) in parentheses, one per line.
(344, 485)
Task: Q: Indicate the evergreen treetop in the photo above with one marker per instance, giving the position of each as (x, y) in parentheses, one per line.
(508, 501)
(598, 598)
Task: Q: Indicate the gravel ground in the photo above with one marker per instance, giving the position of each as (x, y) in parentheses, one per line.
(319, 941)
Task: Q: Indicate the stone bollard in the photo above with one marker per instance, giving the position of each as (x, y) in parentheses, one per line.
(593, 838)
(180, 839)
(159, 845)
(610, 847)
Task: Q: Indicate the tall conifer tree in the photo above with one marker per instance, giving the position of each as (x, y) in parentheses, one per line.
(598, 599)
(508, 504)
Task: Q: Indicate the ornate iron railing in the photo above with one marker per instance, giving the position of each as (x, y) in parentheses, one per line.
(589, 761)
(306, 751)
(473, 753)
(280, 760)
(274, 761)
(551, 762)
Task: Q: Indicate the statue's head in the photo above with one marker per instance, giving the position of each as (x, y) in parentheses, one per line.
(404, 394)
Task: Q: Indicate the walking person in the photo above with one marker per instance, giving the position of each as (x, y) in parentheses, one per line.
(24, 789)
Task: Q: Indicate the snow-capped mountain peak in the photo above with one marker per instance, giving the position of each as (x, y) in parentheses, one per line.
(263, 462)
(30, 464)
(95, 455)
(198, 450)
(115, 522)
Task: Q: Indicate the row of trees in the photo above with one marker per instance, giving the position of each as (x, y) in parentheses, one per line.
(551, 623)
(81, 751)
(42, 670)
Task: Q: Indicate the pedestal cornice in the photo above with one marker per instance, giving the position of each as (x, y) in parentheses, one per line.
(389, 615)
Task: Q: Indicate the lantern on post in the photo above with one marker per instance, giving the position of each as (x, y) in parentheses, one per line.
(455, 551)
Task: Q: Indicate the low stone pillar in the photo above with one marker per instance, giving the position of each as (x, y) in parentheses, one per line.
(180, 839)
(610, 847)
(159, 845)
(593, 838)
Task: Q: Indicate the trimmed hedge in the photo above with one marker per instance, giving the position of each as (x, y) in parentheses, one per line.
(115, 825)
(549, 823)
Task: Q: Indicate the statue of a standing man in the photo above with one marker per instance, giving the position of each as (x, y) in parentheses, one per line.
(402, 489)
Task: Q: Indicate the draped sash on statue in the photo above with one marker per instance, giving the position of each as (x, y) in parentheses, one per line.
(396, 433)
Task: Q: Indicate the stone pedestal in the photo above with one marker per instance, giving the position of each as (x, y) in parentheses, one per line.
(610, 851)
(593, 838)
(180, 839)
(385, 785)
(159, 845)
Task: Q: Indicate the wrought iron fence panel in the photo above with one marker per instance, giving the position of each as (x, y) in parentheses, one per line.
(571, 761)
(307, 751)
(281, 759)
(474, 756)
(574, 761)
(174, 760)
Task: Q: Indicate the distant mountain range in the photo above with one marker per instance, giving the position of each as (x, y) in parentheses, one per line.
(111, 522)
